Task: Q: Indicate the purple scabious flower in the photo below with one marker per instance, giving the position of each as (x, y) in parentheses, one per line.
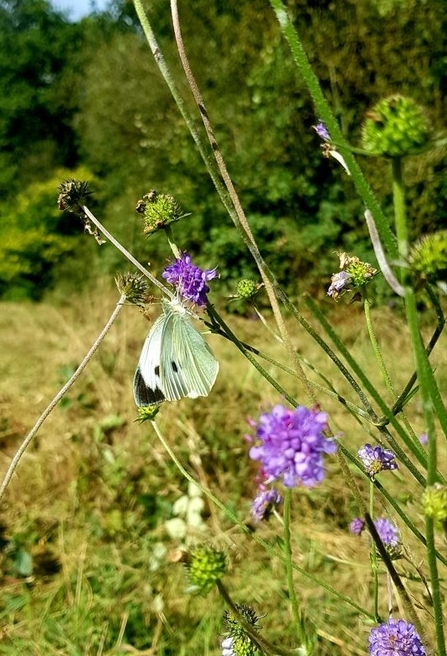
(423, 439)
(290, 445)
(388, 532)
(340, 282)
(189, 279)
(375, 459)
(322, 131)
(264, 504)
(395, 638)
(356, 526)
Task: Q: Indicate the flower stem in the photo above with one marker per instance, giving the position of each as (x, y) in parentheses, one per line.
(289, 569)
(27, 441)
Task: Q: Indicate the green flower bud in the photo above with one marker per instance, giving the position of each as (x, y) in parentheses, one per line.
(429, 257)
(72, 195)
(148, 412)
(246, 288)
(241, 643)
(353, 274)
(133, 286)
(434, 501)
(205, 566)
(159, 210)
(395, 127)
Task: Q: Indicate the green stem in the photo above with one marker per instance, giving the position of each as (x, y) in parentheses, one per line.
(28, 439)
(289, 569)
(373, 557)
(431, 400)
(325, 114)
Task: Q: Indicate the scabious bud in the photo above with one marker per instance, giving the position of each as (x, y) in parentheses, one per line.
(159, 210)
(354, 274)
(148, 412)
(238, 642)
(246, 288)
(133, 286)
(395, 127)
(428, 257)
(434, 501)
(205, 567)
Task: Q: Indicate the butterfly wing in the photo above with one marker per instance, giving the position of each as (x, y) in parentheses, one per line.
(175, 361)
(188, 366)
(146, 381)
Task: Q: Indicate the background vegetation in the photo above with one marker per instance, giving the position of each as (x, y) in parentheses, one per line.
(88, 95)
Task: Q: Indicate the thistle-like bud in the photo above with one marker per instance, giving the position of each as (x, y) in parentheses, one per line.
(133, 286)
(429, 257)
(247, 289)
(395, 127)
(73, 194)
(205, 566)
(148, 412)
(434, 501)
(158, 211)
(238, 642)
(354, 273)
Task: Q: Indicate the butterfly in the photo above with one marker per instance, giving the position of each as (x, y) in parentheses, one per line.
(175, 361)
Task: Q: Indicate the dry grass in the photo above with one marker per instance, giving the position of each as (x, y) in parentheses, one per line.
(94, 491)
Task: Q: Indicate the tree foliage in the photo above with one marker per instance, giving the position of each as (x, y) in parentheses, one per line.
(91, 93)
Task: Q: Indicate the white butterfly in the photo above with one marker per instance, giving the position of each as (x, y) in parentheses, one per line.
(175, 361)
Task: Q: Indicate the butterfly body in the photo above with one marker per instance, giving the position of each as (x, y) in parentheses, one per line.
(175, 361)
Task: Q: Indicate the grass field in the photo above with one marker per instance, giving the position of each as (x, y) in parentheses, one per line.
(90, 524)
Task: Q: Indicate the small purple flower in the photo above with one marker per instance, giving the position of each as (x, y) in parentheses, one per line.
(189, 279)
(395, 638)
(388, 532)
(264, 504)
(340, 282)
(321, 130)
(356, 526)
(375, 459)
(423, 439)
(290, 445)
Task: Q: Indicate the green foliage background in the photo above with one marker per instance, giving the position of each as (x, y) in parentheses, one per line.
(90, 94)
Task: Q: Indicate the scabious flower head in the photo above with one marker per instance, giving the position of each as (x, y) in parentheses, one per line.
(264, 504)
(159, 211)
(395, 638)
(247, 289)
(428, 258)
(73, 194)
(395, 127)
(389, 534)
(354, 274)
(434, 501)
(205, 566)
(189, 279)
(356, 526)
(133, 286)
(322, 131)
(375, 459)
(290, 445)
(238, 642)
